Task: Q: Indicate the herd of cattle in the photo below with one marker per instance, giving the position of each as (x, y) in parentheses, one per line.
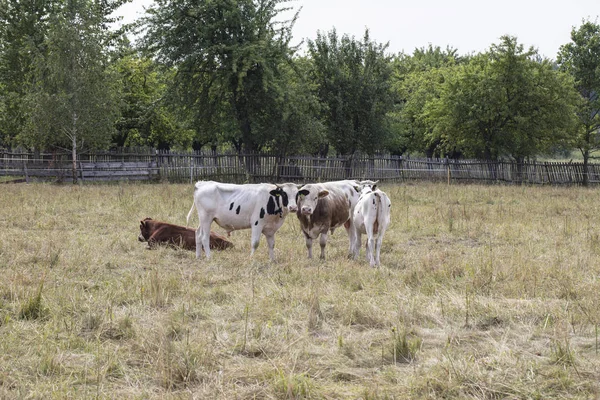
(359, 206)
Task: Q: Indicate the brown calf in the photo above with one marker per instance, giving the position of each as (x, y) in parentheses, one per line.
(156, 232)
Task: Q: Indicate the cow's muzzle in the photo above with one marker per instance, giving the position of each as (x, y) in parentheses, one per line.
(307, 211)
(141, 238)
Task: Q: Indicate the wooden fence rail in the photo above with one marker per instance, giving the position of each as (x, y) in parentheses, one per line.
(136, 164)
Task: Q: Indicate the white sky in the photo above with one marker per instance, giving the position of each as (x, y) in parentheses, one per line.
(466, 25)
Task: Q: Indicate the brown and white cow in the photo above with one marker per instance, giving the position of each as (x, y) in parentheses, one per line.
(323, 207)
(260, 207)
(157, 232)
(371, 217)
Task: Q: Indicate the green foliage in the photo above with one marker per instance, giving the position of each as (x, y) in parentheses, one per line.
(293, 126)
(72, 102)
(227, 55)
(417, 80)
(353, 79)
(23, 27)
(505, 103)
(581, 59)
(145, 118)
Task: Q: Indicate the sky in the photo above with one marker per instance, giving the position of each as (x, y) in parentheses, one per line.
(469, 26)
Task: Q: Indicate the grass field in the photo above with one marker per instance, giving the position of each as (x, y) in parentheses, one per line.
(485, 292)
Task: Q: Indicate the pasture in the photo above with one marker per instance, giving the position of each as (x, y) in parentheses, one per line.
(484, 292)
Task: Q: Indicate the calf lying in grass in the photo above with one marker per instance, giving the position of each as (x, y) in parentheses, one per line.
(157, 232)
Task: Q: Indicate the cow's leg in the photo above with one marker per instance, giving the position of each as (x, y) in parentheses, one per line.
(349, 225)
(203, 235)
(323, 243)
(378, 245)
(206, 241)
(357, 241)
(378, 249)
(271, 244)
(308, 245)
(255, 239)
(370, 249)
(152, 242)
(198, 236)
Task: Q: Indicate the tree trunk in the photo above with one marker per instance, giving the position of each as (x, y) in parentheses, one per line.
(520, 162)
(74, 149)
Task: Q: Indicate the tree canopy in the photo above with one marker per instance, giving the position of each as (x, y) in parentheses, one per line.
(224, 73)
(353, 83)
(581, 59)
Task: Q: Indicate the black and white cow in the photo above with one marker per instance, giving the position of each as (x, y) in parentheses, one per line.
(261, 207)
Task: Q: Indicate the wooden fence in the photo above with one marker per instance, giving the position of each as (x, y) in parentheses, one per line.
(127, 164)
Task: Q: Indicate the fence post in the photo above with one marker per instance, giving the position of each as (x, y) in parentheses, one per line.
(25, 171)
(81, 171)
(448, 168)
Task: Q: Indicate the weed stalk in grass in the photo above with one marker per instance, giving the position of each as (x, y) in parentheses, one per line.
(467, 306)
(246, 312)
(34, 308)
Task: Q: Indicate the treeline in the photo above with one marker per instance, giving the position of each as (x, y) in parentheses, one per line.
(225, 74)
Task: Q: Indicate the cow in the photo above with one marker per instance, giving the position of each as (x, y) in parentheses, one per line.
(261, 207)
(323, 207)
(157, 232)
(371, 217)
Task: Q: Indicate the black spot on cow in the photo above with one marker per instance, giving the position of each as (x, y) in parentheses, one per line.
(262, 212)
(373, 201)
(256, 223)
(237, 210)
(284, 198)
(231, 207)
(271, 206)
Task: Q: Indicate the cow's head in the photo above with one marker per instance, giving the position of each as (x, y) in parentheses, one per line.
(286, 193)
(362, 185)
(308, 197)
(144, 230)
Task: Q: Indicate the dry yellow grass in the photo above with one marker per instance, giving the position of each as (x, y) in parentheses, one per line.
(485, 292)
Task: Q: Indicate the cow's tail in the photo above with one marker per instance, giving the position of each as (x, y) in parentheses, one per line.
(378, 207)
(187, 220)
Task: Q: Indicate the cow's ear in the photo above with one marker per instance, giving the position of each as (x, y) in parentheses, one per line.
(303, 192)
(275, 192)
(323, 193)
(373, 187)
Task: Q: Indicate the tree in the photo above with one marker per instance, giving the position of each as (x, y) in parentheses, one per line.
(227, 56)
(504, 103)
(416, 80)
(72, 101)
(23, 28)
(293, 125)
(146, 119)
(581, 59)
(353, 79)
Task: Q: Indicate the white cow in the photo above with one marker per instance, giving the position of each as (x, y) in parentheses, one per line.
(261, 207)
(371, 216)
